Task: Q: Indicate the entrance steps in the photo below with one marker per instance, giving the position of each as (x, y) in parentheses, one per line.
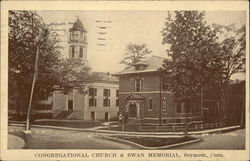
(63, 115)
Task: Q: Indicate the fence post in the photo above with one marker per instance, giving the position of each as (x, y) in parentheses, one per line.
(201, 126)
(174, 128)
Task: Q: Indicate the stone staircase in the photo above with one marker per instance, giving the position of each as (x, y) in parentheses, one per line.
(63, 115)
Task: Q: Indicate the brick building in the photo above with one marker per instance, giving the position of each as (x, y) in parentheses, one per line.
(142, 96)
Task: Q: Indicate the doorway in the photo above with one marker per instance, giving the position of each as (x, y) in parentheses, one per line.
(92, 115)
(106, 116)
(70, 105)
(132, 110)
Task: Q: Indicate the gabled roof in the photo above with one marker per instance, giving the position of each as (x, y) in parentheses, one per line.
(141, 62)
(78, 26)
(135, 97)
(152, 64)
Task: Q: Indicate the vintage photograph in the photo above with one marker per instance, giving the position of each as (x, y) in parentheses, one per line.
(127, 79)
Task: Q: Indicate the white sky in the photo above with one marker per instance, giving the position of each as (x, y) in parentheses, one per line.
(127, 26)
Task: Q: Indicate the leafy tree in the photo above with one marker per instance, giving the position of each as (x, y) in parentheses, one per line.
(195, 54)
(26, 30)
(233, 49)
(134, 53)
(73, 73)
(233, 57)
(195, 61)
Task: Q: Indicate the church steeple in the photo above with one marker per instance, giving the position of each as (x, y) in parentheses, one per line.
(78, 41)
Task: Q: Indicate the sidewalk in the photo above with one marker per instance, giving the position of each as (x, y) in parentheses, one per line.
(151, 134)
(15, 142)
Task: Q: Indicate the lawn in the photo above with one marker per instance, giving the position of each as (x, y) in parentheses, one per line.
(73, 124)
(67, 123)
(154, 142)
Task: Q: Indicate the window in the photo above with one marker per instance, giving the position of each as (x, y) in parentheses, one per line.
(92, 97)
(117, 102)
(117, 98)
(117, 93)
(106, 92)
(106, 95)
(178, 107)
(73, 36)
(92, 115)
(92, 92)
(137, 85)
(106, 102)
(72, 51)
(81, 52)
(81, 36)
(92, 102)
(150, 104)
(164, 104)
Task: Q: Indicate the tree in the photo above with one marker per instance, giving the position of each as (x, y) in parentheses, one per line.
(233, 49)
(233, 55)
(195, 61)
(73, 73)
(26, 30)
(134, 53)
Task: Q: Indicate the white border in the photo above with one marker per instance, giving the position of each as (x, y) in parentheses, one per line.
(111, 5)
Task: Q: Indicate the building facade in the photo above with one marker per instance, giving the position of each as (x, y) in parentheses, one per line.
(141, 95)
(95, 100)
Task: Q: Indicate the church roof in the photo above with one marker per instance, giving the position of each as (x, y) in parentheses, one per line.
(107, 77)
(152, 64)
(78, 26)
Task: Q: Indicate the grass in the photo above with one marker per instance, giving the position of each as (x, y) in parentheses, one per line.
(79, 124)
(154, 142)
(72, 124)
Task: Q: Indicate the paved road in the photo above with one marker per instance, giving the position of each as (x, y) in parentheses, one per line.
(42, 138)
(62, 139)
(234, 140)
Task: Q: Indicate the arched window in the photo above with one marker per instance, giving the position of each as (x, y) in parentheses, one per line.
(81, 52)
(72, 51)
(164, 104)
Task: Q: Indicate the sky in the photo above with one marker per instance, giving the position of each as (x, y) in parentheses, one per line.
(124, 27)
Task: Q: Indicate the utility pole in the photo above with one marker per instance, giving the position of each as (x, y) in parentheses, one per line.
(37, 43)
(31, 93)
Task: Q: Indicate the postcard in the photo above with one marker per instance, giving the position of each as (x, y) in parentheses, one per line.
(125, 80)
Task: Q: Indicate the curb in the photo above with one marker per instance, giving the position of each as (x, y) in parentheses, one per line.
(153, 148)
(135, 133)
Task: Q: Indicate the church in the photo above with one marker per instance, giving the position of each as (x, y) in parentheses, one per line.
(95, 100)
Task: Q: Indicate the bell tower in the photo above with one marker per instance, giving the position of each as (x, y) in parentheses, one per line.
(78, 41)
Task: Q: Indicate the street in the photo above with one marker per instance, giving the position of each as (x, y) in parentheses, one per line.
(234, 140)
(42, 138)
